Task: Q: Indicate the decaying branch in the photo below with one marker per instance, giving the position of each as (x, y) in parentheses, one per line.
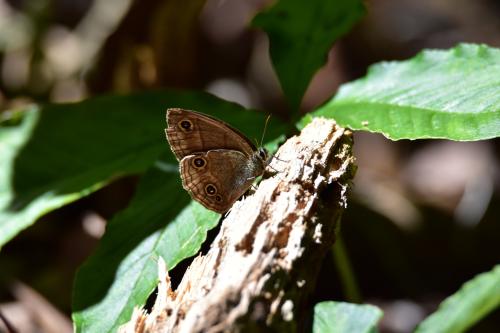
(263, 264)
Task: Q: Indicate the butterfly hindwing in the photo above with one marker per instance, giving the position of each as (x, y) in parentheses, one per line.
(217, 178)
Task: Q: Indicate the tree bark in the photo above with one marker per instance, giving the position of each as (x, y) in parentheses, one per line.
(263, 264)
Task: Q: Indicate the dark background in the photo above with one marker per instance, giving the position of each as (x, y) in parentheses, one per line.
(423, 217)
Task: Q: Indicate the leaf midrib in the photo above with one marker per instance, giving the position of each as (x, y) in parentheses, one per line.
(346, 102)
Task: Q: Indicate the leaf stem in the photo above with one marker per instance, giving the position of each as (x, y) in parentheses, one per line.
(346, 274)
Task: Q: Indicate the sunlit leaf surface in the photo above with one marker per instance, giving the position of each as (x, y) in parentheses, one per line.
(339, 317)
(467, 306)
(452, 94)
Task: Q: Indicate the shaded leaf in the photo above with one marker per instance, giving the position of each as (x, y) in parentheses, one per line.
(339, 317)
(452, 94)
(59, 153)
(301, 33)
(122, 273)
(475, 299)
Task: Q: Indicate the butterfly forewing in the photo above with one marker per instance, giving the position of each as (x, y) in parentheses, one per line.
(190, 132)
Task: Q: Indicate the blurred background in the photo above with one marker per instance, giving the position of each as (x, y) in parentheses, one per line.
(423, 217)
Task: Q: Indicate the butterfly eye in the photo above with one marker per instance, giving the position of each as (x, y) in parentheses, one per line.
(218, 198)
(186, 125)
(199, 162)
(210, 189)
(262, 154)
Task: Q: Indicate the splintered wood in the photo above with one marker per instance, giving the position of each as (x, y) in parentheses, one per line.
(263, 264)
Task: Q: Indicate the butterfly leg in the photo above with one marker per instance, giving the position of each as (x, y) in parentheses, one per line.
(271, 159)
(277, 158)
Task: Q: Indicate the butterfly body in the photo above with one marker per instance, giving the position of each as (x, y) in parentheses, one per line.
(217, 163)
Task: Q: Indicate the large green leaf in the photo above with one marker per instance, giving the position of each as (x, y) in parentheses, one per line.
(160, 221)
(339, 317)
(452, 94)
(59, 153)
(300, 34)
(473, 301)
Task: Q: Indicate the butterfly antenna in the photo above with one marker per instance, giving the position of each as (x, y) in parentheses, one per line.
(264, 132)
(256, 142)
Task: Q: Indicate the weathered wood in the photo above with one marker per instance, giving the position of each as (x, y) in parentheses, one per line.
(263, 264)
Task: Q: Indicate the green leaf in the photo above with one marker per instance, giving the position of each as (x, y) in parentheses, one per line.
(122, 273)
(58, 153)
(475, 299)
(14, 132)
(339, 317)
(452, 94)
(301, 33)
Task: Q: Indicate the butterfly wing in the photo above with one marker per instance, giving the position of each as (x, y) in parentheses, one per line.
(191, 132)
(217, 178)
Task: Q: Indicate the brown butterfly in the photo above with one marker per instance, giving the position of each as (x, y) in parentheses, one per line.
(217, 162)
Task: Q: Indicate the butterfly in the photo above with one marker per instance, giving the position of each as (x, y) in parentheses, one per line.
(217, 163)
